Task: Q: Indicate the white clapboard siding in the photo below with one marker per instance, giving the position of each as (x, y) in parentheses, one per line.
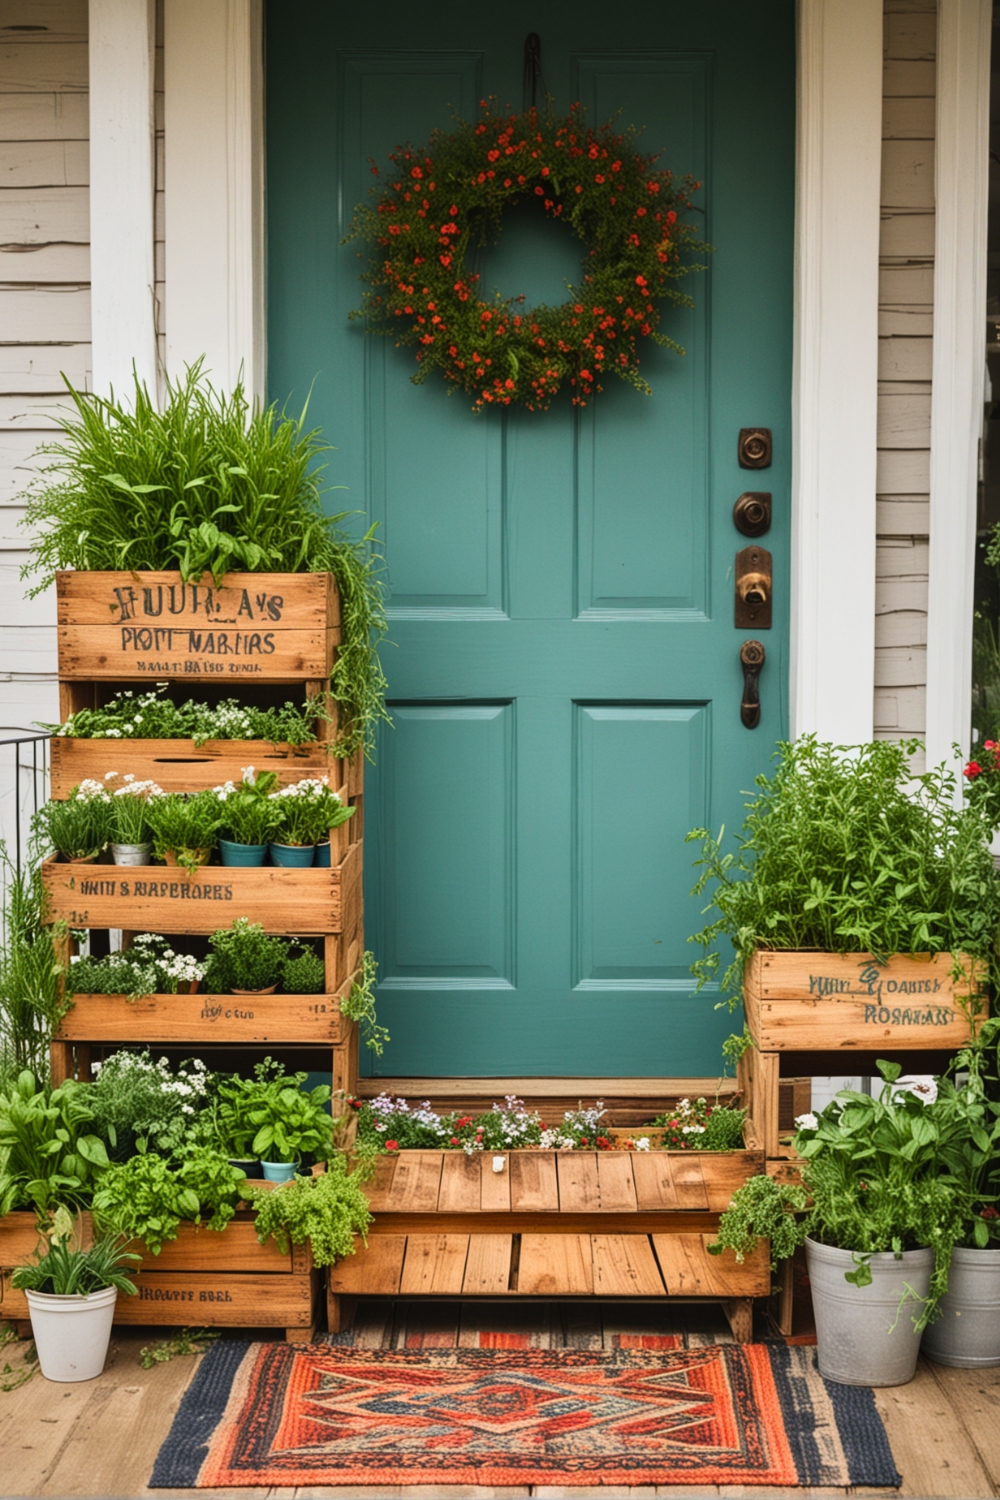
(44, 215)
(901, 627)
(903, 472)
(37, 369)
(16, 610)
(44, 164)
(45, 117)
(41, 66)
(902, 515)
(54, 314)
(22, 413)
(17, 449)
(901, 666)
(44, 265)
(908, 117)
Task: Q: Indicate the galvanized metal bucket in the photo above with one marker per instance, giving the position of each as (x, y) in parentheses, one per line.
(966, 1332)
(865, 1335)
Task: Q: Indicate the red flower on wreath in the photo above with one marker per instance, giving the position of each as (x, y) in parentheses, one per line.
(627, 248)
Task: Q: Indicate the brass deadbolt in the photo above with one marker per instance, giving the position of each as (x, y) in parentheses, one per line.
(753, 589)
(754, 450)
(752, 513)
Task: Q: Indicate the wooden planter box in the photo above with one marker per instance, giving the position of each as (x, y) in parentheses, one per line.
(158, 898)
(201, 1019)
(204, 1278)
(847, 1002)
(150, 627)
(183, 766)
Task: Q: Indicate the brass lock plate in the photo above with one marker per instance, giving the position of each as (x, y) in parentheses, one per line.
(754, 449)
(753, 589)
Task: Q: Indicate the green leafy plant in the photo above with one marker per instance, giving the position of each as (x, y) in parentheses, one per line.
(845, 850)
(244, 957)
(141, 1105)
(207, 482)
(12, 1377)
(329, 1210)
(762, 1209)
(80, 826)
(188, 1341)
(154, 716)
(149, 966)
(32, 1002)
(130, 807)
(65, 1270)
(51, 1155)
(305, 974)
(306, 812)
(185, 825)
(360, 1005)
(700, 1126)
(291, 1122)
(146, 1198)
(249, 813)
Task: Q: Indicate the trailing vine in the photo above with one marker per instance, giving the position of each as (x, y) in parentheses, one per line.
(451, 194)
(360, 1005)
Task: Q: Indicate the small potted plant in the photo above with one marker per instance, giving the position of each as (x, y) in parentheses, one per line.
(881, 1219)
(79, 827)
(184, 827)
(289, 1122)
(130, 820)
(71, 1296)
(307, 812)
(249, 817)
(230, 1126)
(305, 974)
(245, 960)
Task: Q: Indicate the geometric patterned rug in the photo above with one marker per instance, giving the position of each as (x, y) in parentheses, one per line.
(332, 1414)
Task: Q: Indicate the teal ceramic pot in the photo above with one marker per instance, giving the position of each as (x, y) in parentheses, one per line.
(241, 854)
(323, 854)
(293, 856)
(278, 1171)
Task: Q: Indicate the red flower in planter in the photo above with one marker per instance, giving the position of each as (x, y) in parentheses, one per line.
(392, 1145)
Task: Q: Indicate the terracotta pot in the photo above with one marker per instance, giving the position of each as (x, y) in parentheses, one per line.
(204, 855)
(188, 986)
(269, 991)
(84, 859)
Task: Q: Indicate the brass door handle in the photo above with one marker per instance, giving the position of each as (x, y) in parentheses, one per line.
(753, 589)
(752, 657)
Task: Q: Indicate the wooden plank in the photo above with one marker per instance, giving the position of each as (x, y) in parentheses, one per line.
(930, 1442)
(378, 1190)
(555, 1265)
(579, 1187)
(130, 627)
(757, 1074)
(487, 1270)
(615, 1181)
(42, 117)
(689, 1271)
(974, 1396)
(19, 1238)
(183, 766)
(167, 899)
(494, 1188)
(654, 1181)
(206, 1019)
(461, 1178)
(567, 1090)
(219, 1299)
(624, 1266)
(415, 1184)
(686, 1221)
(689, 1181)
(56, 67)
(434, 1265)
(373, 1270)
(534, 1186)
(848, 1002)
(235, 1248)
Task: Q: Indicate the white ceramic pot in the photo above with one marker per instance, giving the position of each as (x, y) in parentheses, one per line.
(866, 1335)
(72, 1333)
(966, 1332)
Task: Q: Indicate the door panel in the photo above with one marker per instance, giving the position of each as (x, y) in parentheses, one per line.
(564, 679)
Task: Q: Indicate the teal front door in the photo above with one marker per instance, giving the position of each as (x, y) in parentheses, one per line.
(565, 681)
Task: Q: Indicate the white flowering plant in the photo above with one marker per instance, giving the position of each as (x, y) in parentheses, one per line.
(142, 1104)
(249, 814)
(129, 806)
(79, 827)
(154, 716)
(307, 810)
(149, 966)
(699, 1126)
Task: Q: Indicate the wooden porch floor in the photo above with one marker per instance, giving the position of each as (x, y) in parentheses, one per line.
(100, 1438)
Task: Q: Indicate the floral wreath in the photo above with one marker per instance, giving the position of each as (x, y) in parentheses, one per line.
(455, 190)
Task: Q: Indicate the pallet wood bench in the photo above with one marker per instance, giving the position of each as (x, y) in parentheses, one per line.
(554, 1224)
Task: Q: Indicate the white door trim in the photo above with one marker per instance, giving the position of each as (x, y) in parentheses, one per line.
(214, 189)
(835, 369)
(961, 170)
(122, 297)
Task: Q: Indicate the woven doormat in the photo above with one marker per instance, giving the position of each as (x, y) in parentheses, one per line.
(323, 1414)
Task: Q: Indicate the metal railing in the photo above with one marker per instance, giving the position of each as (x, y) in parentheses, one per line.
(24, 784)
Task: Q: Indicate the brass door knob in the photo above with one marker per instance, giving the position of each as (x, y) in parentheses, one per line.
(753, 589)
(752, 658)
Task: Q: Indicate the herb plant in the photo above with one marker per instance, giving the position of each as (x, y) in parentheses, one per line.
(147, 1198)
(844, 850)
(52, 1155)
(249, 814)
(80, 826)
(141, 1105)
(64, 1270)
(152, 716)
(291, 1122)
(207, 483)
(390, 1124)
(360, 1005)
(328, 1210)
(701, 1127)
(31, 998)
(185, 825)
(244, 957)
(130, 808)
(306, 812)
(148, 967)
(305, 974)
(762, 1209)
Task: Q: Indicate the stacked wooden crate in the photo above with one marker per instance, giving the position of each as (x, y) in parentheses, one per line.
(120, 630)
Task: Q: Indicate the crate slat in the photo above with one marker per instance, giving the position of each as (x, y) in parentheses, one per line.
(183, 766)
(202, 1019)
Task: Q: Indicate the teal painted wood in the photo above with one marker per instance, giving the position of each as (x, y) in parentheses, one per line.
(565, 680)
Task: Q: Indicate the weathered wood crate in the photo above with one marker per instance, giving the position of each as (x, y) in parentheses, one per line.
(554, 1224)
(157, 898)
(819, 1002)
(206, 1019)
(151, 627)
(183, 766)
(204, 1278)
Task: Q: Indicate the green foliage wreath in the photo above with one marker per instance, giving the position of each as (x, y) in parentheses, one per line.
(451, 194)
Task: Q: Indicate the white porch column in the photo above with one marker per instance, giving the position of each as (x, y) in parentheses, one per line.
(214, 189)
(122, 45)
(961, 170)
(835, 379)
